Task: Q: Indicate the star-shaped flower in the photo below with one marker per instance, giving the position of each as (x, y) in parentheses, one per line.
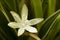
(23, 23)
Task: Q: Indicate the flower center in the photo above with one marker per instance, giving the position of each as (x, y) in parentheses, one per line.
(23, 23)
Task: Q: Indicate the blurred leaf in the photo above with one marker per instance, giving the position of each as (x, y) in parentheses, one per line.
(8, 32)
(45, 8)
(44, 5)
(47, 23)
(51, 7)
(57, 4)
(2, 34)
(6, 4)
(3, 11)
(53, 30)
(58, 37)
(37, 7)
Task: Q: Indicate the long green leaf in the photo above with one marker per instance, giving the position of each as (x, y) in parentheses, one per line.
(53, 30)
(58, 37)
(2, 34)
(37, 6)
(5, 30)
(3, 11)
(51, 6)
(47, 23)
(45, 8)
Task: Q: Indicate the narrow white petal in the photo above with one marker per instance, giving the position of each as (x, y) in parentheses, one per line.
(13, 25)
(31, 29)
(20, 31)
(16, 16)
(24, 12)
(35, 21)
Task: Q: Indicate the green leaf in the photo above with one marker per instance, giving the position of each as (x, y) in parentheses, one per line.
(37, 7)
(51, 6)
(58, 37)
(45, 8)
(53, 30)
(6, 4)
(7, 32)
(3, 11)
(44, 5)
(2, 34)
(47, 23)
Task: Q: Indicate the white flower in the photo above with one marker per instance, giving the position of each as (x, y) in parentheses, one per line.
(22, 23)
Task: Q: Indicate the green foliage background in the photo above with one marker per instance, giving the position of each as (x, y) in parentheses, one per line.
(49, 29)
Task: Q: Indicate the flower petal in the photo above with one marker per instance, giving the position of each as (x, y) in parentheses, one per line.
(35, 21)
(13, 25)
(24, 12)
(31, 29)
(16, 16)
(20, 31)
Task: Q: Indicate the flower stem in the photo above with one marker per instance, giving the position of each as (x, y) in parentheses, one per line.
(34, 36)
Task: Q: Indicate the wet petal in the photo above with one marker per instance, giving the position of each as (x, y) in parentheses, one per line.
(13, 25)
(16, 16)
(31, 29)
(24, 12)
(20, 31)
(35, 21)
